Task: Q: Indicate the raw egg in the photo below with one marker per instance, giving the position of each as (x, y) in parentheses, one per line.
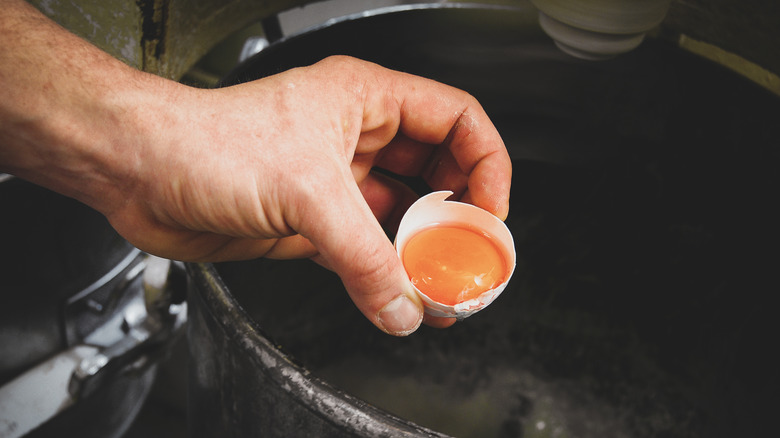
(458, 257)
(453, 263)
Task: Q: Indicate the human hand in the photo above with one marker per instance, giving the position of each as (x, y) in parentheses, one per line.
(279, 167)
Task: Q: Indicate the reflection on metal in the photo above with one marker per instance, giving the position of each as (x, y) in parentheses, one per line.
(92, 306)
(40, 393)
(252, 46)
(150, 321)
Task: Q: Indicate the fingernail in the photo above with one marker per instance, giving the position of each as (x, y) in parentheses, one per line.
(400, 317)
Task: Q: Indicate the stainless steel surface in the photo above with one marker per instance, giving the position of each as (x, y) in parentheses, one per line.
(89, 309)
(137, 337)
(144, 321)
(40, 393)
(61, 263)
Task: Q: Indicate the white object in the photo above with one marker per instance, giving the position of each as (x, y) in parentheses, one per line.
(599, 29)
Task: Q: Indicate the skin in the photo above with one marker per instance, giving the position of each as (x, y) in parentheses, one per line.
(280, 167)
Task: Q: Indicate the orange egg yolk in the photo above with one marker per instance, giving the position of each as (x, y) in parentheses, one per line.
(451, 264)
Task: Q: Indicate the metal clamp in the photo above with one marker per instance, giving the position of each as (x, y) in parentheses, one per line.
(138, 316)
(148, 324)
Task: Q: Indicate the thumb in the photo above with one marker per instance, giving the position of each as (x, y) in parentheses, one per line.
(352, 243)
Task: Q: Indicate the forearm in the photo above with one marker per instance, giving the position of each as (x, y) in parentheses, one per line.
(64, 109)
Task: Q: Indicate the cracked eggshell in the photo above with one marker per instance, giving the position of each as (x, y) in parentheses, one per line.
(434, 209)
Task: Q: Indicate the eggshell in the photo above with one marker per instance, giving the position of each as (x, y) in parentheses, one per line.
(433, 209)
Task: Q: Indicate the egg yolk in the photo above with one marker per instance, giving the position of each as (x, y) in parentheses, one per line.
(451, 264)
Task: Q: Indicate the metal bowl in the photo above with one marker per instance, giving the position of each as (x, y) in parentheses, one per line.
(646, 240)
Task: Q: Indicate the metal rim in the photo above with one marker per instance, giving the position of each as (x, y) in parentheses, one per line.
(335, 406)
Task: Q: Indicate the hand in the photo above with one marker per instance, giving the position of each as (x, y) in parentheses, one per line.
(279, 167)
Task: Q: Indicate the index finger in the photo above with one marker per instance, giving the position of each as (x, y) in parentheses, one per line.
(435, 113)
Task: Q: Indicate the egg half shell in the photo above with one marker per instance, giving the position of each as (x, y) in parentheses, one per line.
(433, 209)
